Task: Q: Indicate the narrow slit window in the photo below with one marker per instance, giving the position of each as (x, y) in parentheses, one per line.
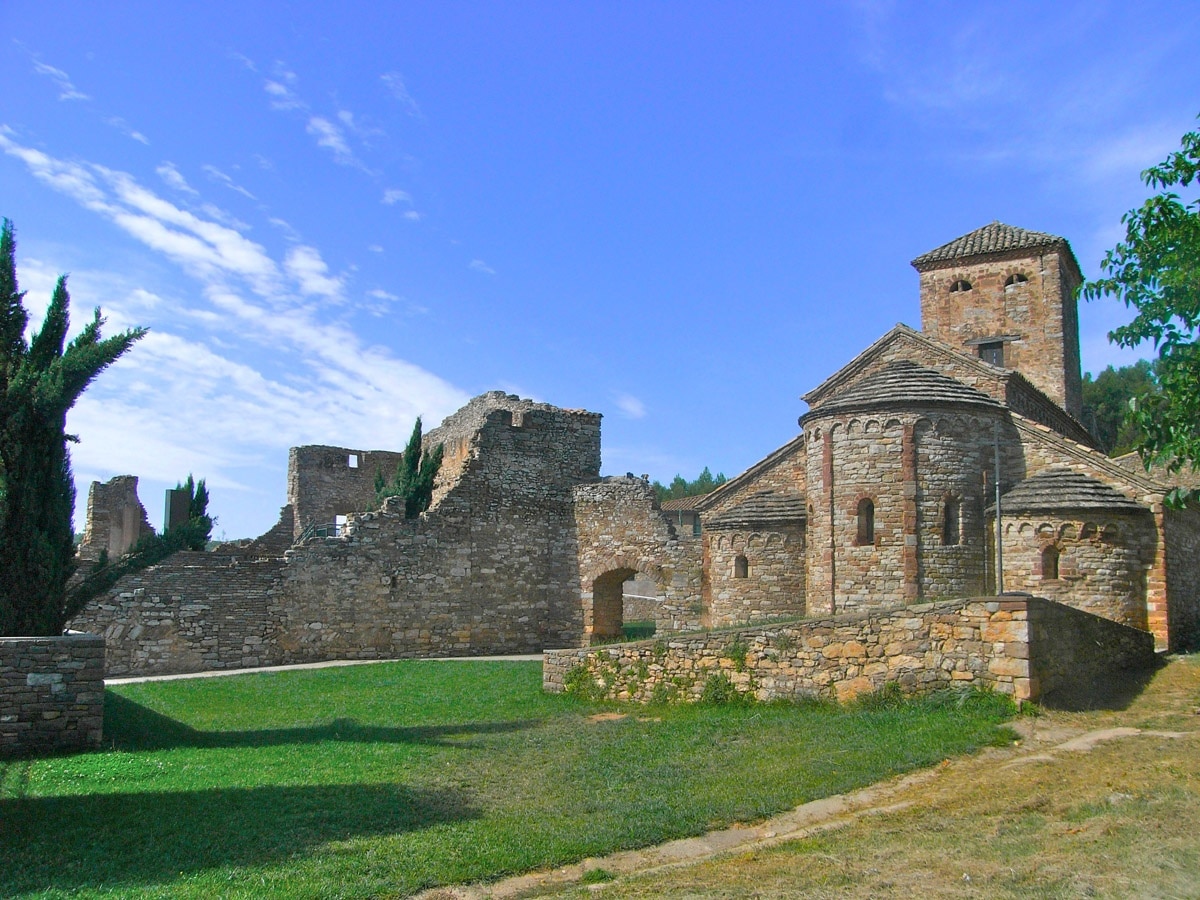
(952, 522)
(352, 460)
(1050, 564)
(741, 566)
(866, 523)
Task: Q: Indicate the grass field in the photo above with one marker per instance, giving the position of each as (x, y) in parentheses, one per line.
(1088, 804)
(381, 780)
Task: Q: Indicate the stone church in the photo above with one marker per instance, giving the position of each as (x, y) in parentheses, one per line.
(889, 494)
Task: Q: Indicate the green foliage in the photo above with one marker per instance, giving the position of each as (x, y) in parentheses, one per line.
(194, 533)
(1106, 404)
(638, 630)
(415, 474)
(597, 876)
(39, 383)
(681, 487)
(736, 652)
(783, 643)
(889, 696)
(1155, 271)
(584, 684)
(719, 690)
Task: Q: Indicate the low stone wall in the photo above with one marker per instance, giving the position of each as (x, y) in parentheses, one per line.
(1025, 647)
(1076, 656)
(51, 694)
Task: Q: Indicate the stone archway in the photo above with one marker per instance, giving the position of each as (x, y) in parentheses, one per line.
(604, 610)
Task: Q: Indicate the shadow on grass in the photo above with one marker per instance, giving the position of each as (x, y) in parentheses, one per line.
(131, 726)
(115, 840)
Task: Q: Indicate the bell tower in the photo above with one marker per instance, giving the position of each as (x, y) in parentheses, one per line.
(1008, 296)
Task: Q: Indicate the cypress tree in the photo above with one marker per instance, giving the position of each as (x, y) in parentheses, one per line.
(39, 383)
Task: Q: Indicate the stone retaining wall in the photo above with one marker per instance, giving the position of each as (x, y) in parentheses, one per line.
(51, 694)
(1029, 648)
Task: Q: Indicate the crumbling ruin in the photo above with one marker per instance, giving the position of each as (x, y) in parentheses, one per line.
(885, 499)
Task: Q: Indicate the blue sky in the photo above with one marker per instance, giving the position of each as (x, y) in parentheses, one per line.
(336, 217)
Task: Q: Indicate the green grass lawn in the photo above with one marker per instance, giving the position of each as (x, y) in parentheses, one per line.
(381, 780)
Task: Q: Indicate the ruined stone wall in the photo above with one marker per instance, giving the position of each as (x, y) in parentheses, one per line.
(491, 568)
(327, 482)
(1009, 644)
(1182, 539)
(1040, 313)
(769, 584)
(621, 532)
(51, 694)
(116, 519)
(192, 612)
(1103, 557)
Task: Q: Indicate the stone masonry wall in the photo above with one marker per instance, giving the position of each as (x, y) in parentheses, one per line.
(51, 694)
(491, 568)
(622, 532)
(193, 612)
(1075, 657)
(1008, 644)
(772, 585)
(327, 482)
(1182, 532)
(1103, 557)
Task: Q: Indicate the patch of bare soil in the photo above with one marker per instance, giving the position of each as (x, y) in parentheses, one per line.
(1086, 804)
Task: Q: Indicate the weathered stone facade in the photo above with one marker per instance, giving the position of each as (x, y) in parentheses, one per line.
(886, 497)
(116, 519)
(51, 694)
(1027, 647)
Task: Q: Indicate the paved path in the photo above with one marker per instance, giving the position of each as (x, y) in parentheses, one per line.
(218, 673)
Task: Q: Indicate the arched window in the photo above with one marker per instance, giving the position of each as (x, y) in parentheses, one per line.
(1050, 563)
(866, 523)
(952, 522)
(1014, 281)
(741, 567)
(959, 286)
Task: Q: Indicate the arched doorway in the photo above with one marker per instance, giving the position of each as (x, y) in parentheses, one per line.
(607, 607)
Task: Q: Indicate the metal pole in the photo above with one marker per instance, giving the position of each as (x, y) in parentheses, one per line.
(999, 532)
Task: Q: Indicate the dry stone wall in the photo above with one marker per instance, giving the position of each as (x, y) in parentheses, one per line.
(51, 694)
(1008, 644)
(193, 612)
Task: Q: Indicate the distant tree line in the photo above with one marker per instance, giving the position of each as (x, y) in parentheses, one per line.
(704, 483)
(1107, 410)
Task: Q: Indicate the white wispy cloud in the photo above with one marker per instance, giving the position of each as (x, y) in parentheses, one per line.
(478, 265)
(311, 273)
(126, 129)
(66, 89)
(412, 215)
(330, 137)
(221, 178)
(394, 82)
(395, 195)
(172, 177)
(196, 393)
(630, 406)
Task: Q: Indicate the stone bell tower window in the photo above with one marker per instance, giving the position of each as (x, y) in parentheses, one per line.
(992, 352)
(959, 286)
(1014, 281)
